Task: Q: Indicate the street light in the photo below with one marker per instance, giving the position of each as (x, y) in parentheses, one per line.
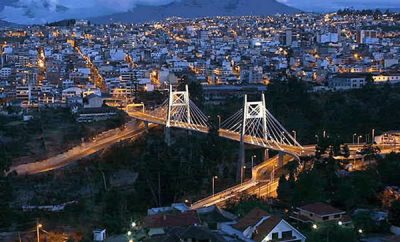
(242, 176)
(358, 139)
(213, 184)
(373, 136)
(340, 223)
(133, 224)
(314, 226)
(316, 136)
(360, 231)
(38, 226)
(129, 233)
(354, 135)
(294, 134)
(252, 161)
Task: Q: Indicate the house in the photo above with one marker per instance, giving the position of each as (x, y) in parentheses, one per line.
(159, 224)
(213, 216)
(259, 226)
(189, 234)
(93, 101)
(175, 207)
(320, 212)
(99, 235)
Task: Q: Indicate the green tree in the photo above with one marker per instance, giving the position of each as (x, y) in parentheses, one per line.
(6, 191)
(285, 190)
(346, 151)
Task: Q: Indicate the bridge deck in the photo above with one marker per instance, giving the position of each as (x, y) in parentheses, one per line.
(292, 150)
(162, 121)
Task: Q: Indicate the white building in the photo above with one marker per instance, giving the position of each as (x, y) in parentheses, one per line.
(5, 72)
(347, 81)
(258, 225)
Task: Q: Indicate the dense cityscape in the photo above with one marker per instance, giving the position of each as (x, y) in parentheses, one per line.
(238, 128)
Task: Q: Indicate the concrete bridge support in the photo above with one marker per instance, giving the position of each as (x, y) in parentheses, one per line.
(167, 133)
(266, 154)
(280, 159)
(241, 161)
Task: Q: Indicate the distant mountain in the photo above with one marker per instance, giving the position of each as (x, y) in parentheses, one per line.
(198, 8)
(7, 24)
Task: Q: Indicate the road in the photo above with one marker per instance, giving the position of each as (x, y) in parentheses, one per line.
(262, 173)
(145, 117)
(132, 130)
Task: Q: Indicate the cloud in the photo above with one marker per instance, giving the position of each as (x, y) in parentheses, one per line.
(42, 11)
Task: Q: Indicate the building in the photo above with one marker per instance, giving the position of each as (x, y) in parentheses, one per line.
(159, 224)
(320, 212)
(259, 226)
(368, 37)
(392, 78)
(347, 81)
(388, 138)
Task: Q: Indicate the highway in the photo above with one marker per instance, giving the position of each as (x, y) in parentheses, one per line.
(132, 130)
(259, 184)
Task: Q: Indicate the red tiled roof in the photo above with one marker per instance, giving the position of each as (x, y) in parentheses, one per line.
(171, 220)
(321, 209)
(250, 219)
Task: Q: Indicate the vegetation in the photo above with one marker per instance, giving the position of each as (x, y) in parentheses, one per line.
(331, 232)
(339, 114)
(394, 213)
(49, 132)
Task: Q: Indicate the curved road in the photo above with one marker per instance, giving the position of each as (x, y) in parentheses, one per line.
(132, 130)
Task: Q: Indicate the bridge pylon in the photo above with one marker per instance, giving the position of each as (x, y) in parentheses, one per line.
(252, 112)
(178, 109)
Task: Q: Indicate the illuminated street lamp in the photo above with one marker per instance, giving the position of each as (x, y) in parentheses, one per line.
(354, 135)
(340, 223)
(213, 184)
(360, 231)
(219, 121)
(252, 161)
(133, 224)
(38, 227)
(129, 233)
(314, 226)
(358, 139)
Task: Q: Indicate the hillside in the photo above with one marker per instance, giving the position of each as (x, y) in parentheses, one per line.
(198, 8)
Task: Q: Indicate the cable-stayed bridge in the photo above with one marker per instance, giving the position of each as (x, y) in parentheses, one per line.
(255, 125)
(177, 111)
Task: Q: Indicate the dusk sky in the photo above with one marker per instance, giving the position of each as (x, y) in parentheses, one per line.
(41, 11)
